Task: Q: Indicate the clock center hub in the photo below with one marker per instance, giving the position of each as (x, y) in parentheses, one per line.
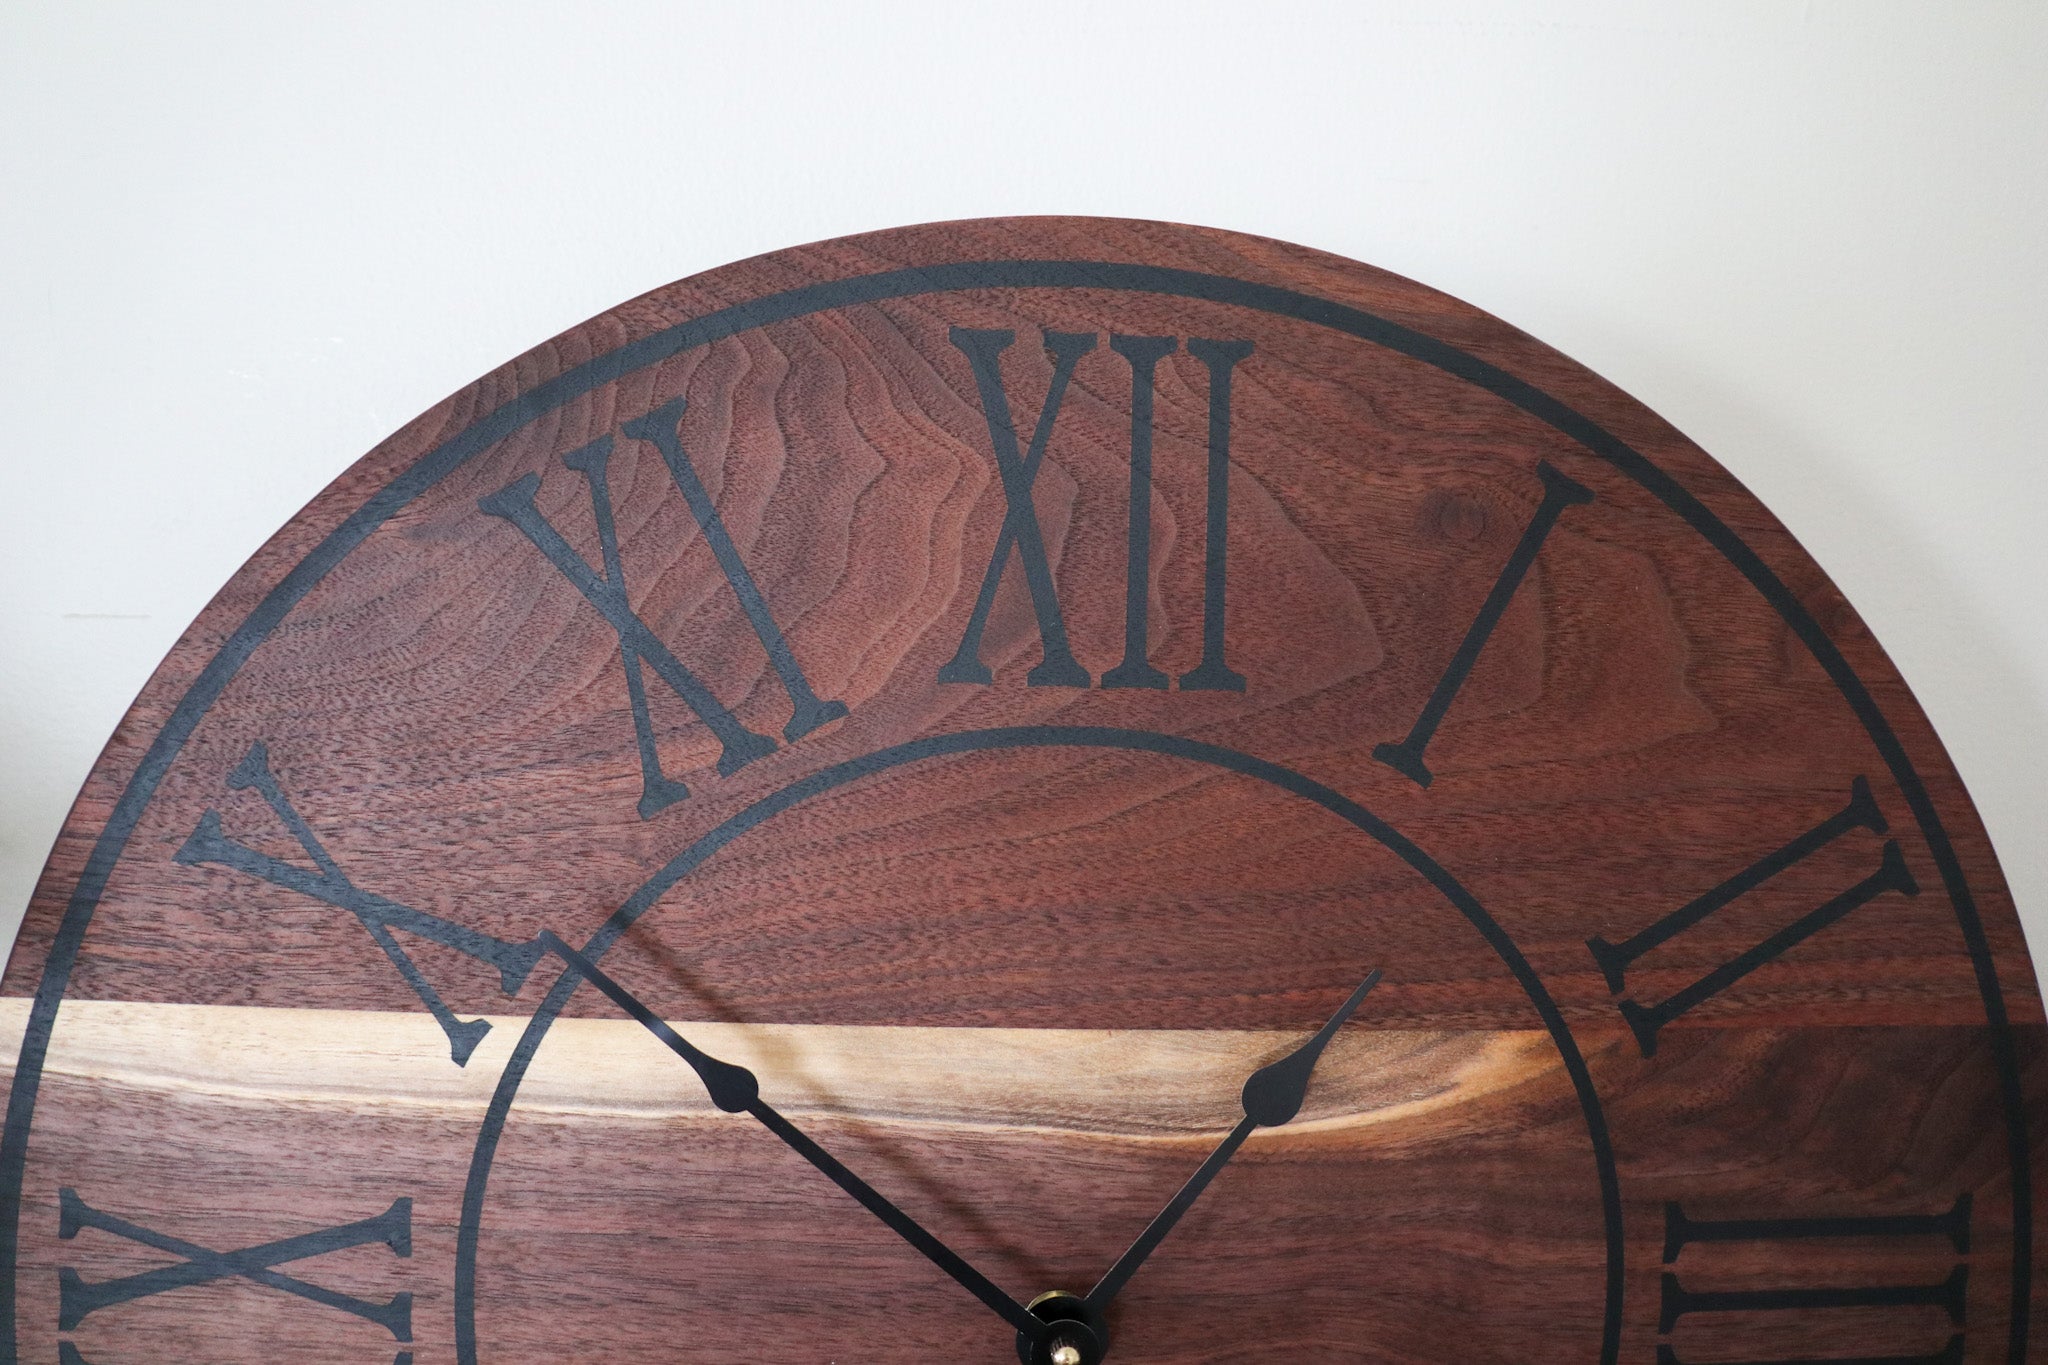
(1078, 1336)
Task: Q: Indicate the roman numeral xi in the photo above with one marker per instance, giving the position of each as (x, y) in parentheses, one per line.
(79, 1298)
(1022, 539)
(640, 650)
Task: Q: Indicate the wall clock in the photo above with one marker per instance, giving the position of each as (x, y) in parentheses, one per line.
(1051, 790)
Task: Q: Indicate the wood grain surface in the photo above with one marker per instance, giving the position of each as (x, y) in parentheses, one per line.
(1010, 947)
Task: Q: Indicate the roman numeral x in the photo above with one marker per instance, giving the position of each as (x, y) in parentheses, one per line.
(78, 1298)
(1019, 473)
(325, 881)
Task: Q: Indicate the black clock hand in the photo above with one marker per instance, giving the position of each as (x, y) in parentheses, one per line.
(735, 1090)
(1271, 1097)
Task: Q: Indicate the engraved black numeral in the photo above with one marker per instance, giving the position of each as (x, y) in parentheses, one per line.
(639, 647)
(1019, 474)
(1948, 1293)
(1018, 470)
(1136, 670)
(1212, 674)
(1559, 492)
(79, 1298)
(1891, 875)
(67, 1354)
(325, 881)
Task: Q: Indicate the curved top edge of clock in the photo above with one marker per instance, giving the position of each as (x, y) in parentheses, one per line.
(1200, 250)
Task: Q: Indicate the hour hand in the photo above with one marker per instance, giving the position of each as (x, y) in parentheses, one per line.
(735, 1090)
(1273, 1095)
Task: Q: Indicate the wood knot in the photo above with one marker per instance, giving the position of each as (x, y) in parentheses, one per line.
(1454, 516)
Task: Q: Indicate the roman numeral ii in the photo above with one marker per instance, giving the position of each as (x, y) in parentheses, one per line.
(1891, 874)
(1021, 536)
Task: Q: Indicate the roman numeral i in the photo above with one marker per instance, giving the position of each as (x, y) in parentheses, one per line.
(1560, 491)
(1022, 538)
(639, 648)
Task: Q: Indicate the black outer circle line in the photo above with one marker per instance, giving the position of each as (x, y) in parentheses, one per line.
(552, 394)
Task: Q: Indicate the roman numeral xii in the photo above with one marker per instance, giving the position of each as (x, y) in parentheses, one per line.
(1021, 539)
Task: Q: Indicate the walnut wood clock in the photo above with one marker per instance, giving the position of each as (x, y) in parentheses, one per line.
(1049, 790)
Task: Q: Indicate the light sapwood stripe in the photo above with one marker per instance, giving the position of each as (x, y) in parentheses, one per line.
(1133, 1082)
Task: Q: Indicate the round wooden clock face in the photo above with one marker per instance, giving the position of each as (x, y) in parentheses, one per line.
(1041, 757)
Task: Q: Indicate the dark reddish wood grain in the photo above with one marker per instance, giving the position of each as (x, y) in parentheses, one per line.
(451, 719)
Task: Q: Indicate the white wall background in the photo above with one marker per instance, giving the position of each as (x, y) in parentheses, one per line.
(241, 242)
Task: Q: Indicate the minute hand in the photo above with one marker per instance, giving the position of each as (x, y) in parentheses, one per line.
(1271, 1097)
(736, 1090)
